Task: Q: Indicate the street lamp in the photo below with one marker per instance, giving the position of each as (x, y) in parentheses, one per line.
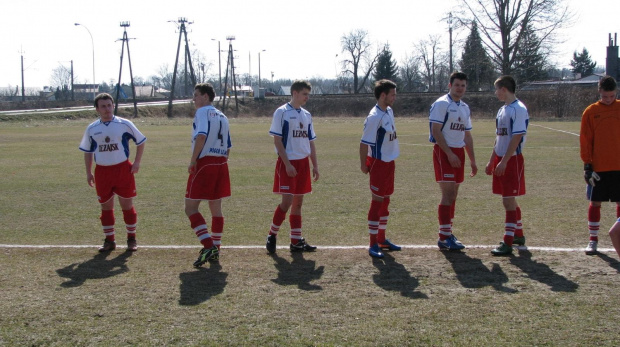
(264, 50)
(93, 45)
(219, 61)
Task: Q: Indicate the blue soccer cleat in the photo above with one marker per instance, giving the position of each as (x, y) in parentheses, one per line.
(375, 251)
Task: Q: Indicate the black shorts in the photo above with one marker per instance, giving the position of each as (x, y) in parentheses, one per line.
(607, 189)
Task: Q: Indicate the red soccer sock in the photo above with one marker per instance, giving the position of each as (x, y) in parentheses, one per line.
(373, 220)
(445, 227)
(131, 222)
(519, 228)
(594, 219)
(295, 221)
(217, 228)
(107, 223)
(384, 215)
(511, 224)
(199, 225)
(279, 216)
(452, 211)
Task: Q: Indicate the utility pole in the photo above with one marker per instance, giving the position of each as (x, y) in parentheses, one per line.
(72, 93)
(182, 30)
(23, 89)
(125, 40)
(450, 30)
(230, 66)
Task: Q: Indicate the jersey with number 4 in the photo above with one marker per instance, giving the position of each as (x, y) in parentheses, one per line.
(380, 134)
(109, 141)
(295, 128)
(511, 120)
(212, 123)
(455, 120)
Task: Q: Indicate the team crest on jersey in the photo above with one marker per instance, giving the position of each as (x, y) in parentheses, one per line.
(107, 139)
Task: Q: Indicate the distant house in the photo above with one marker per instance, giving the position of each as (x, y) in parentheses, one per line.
(86, 88)
(286, 90)
(586, 82)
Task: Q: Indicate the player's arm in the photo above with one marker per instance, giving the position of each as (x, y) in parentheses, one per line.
(315, 163)
(199, 144)
(88, 162)
(469, 147)
(135, 167)
(363, 154)
(512, 147)
(290, 169)
(490, 168)
(441, 142)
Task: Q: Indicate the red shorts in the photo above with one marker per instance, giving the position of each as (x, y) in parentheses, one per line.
(210, 181)
(381, 176)
(114, 179)
(444, 172)
(512, 183)
(298, 185)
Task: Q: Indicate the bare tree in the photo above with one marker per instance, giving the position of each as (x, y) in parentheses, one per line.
(409, 73)
(504, 24)
(361, 61)
(61, 77)
(431, 58)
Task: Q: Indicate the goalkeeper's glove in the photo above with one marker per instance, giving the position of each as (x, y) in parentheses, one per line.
(589, 175)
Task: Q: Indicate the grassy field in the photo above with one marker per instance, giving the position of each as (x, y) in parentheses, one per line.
(336, 296)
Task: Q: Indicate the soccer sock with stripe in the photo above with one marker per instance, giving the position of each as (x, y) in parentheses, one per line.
(107, 223)
(519, 228)
(295, 221)
(131, 222)
(594, 219)
(217, 228)
(511, 224)
(445, 227)
(384, 215)
(373, 220)
(199, 225)
(279, 216)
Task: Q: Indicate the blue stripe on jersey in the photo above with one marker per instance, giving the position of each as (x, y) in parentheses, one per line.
(125, 141)
(285, 127)
(376, 150)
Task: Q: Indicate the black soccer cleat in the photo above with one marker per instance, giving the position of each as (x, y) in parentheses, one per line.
(205, 255)
(271, 244)
(302, 246)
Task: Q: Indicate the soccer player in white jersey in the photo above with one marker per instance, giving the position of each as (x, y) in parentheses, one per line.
(378, 151)
(293, 137)
(450, 131)
(106, 142)
(208, 179)
(506, 163)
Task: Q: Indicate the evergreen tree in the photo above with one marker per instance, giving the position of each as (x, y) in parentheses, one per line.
(475, 62)
(582, 63)
(386, 68)
(530, 63)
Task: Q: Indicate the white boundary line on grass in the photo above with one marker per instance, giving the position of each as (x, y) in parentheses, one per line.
(562, 131)
(532, 248)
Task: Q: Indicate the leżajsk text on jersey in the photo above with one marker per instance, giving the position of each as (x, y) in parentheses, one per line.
(212, 123)
(295, 128)
(380, 134)
(455, 120)
(511, 119)
(109, 141)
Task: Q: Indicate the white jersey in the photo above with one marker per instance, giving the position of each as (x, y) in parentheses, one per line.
(212, 123)
(380, 134)
(295, 128)
(511, 120)
(109, 141)
(455, 120)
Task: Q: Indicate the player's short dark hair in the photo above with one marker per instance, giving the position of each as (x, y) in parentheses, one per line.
(206, 88)
(458, 76)
(607, 84)
(383, 86)
(103, 96)
(506, 82)
(300, 85)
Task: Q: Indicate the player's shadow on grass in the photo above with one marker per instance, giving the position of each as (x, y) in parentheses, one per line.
(202, 284)
(99, 267)
(542, 272)
(614, 263)
(472, 273)
(299, 272)
(393, 276)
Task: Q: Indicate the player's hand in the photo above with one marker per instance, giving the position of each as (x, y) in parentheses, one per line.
(135, 167)
(590, 176)
(500, 169)
(489, 169)
(191, 168)
(291, 171)
(454, 160)
(315, 173)
(474, 169)
(365, 169)
(90, 179)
